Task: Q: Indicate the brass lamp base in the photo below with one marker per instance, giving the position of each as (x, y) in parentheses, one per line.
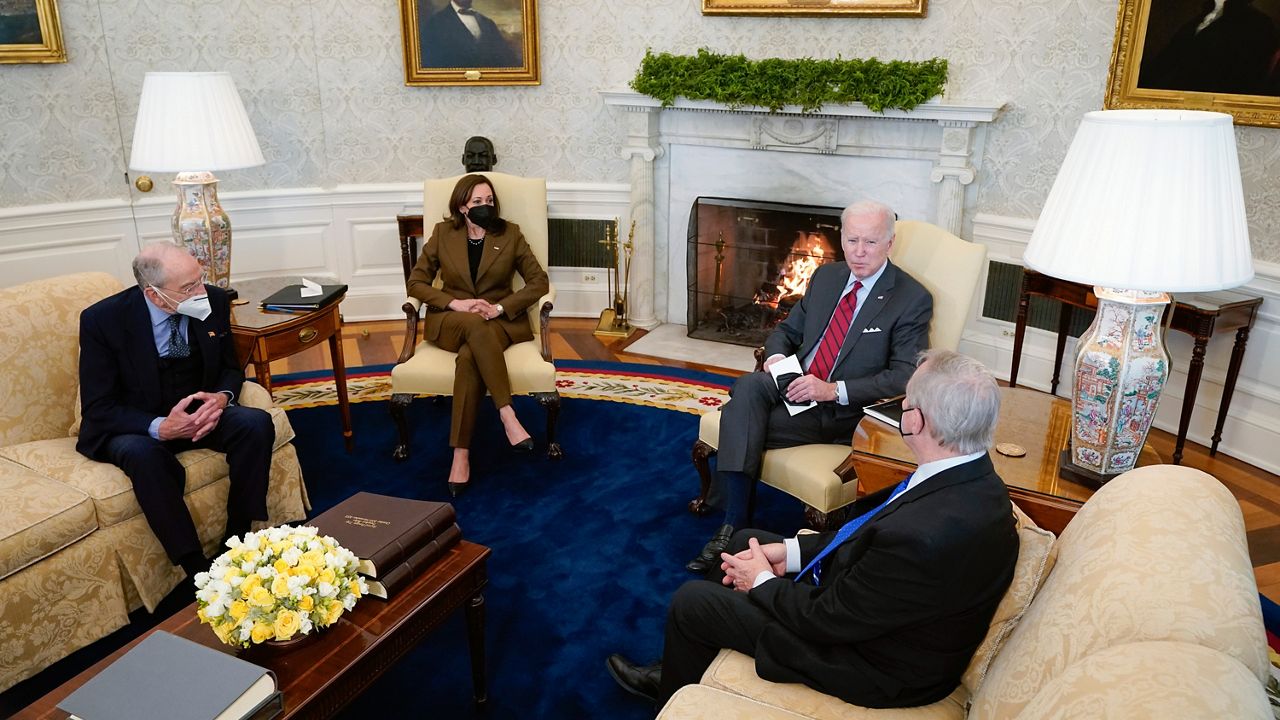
(611, 326)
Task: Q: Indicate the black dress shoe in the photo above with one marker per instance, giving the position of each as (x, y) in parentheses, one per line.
(524, 446)
(710, 555)
(641, 681)
(456, 489)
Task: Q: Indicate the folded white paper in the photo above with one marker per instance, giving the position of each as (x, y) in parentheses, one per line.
(309, 288)
(789, 364)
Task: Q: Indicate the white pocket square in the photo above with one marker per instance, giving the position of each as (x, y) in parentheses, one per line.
(870, 330)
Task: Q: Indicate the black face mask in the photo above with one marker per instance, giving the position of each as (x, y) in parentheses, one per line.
(485, 216)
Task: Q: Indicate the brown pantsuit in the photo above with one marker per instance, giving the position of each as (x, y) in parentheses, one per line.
(478, 342)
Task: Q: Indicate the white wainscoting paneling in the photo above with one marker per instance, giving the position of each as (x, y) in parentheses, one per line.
(348, 233)
(1252, 430)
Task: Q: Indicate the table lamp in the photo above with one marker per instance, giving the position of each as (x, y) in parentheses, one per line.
(1147, 202)
(193, 124)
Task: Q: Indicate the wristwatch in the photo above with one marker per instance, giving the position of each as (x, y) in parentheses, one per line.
(500, 310)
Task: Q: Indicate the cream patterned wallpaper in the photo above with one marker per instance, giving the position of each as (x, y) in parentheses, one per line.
(323, 81)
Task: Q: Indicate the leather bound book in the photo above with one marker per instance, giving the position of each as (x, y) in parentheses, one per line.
(391, 581)
(384, 531)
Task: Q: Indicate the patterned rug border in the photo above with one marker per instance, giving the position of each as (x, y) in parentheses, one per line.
(611, 382)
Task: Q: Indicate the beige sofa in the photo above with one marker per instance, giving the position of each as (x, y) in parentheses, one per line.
(76, 554)
(1146, 607)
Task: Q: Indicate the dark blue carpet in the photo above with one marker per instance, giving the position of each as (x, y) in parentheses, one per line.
(586, 551)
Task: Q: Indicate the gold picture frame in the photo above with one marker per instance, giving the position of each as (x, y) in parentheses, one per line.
(1174, 58)
(498, 45)
(813, 8)
(33, 36)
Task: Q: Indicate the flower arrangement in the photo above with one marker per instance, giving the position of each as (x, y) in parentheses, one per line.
(276, 584)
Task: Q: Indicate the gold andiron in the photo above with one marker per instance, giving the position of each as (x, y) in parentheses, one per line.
(613, 320)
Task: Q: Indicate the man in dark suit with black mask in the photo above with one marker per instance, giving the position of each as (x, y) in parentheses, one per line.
(158, 375)
(888, 610)
(457, 36)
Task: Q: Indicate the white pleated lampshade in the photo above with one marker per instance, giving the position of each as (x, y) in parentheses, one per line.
(192, 122)
(1147, 200)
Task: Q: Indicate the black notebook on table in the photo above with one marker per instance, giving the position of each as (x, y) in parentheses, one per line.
(886, 411)
(166, 676)
(290, 299)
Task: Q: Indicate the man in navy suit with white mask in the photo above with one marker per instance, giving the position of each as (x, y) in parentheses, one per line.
(159, 375)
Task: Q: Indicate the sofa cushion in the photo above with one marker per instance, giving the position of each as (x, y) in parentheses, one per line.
(736, 673)
(699, 702)
(1036, 555)
(107, 484)
(1153, 680)
(38, 517)
(1157, 554)
(39, 351)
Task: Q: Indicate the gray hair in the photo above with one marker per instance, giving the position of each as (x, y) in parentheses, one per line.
(873, 207)
(149, 267)
(959, 398)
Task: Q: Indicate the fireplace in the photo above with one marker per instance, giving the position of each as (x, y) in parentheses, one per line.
(749, 262)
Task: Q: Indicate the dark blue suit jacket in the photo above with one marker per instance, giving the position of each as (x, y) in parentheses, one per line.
(905, 602)
(120, 368)
(879, 353)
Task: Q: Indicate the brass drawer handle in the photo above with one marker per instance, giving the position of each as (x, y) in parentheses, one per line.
(307, 334)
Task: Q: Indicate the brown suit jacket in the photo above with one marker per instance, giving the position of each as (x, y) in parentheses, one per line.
(505, 254)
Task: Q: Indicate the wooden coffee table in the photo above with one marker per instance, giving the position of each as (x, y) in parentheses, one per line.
(1040, 423)
(321, 677)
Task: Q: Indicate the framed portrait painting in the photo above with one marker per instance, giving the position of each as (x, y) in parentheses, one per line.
(30, 32)
(870, 8)
(470, 42)
(1221, 55)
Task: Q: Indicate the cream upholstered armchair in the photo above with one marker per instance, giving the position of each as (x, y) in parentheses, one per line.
(950, 268)
(424, 369)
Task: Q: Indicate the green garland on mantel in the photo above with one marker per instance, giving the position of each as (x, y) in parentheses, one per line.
(774, 83)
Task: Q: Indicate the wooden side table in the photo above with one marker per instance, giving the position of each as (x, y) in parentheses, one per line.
(1038, 422)
(1200, 315)
(261, 337)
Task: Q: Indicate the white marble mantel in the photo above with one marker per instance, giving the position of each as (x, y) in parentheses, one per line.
(922, 161)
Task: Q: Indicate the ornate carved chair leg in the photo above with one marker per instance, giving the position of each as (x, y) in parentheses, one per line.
(551, 401)
(399, 403)
(702, 453)
(816, 519)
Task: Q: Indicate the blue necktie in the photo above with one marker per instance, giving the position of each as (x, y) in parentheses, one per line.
(178, 347)
(846, 531)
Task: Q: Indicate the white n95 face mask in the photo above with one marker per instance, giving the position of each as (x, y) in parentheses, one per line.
(195, 307)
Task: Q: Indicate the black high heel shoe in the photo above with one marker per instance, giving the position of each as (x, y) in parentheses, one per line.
(523, 447)
(456, 489)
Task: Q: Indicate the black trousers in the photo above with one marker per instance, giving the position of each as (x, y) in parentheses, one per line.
(244, 434)
(706, 616)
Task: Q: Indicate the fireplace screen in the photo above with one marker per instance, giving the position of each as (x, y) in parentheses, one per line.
(749, 263)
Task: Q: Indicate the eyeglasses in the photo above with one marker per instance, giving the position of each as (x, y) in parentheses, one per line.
(190, 287)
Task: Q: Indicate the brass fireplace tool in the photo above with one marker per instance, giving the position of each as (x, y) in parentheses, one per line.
(613, 320)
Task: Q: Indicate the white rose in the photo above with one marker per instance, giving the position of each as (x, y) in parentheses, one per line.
(291, 556)
(266, 572)
(349, 601)
(326, 590)
(307, 625)
(247, 567)
(252, 542)
(202, 578)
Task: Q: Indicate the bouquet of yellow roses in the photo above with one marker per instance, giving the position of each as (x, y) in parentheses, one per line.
(277, 583)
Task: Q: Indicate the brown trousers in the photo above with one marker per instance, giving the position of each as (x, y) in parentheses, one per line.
(480, 366)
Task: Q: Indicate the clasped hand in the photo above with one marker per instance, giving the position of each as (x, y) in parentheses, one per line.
(742, 569)
(183, 425)
(480, 306)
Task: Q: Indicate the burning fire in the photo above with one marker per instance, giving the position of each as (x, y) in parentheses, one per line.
(806, 254)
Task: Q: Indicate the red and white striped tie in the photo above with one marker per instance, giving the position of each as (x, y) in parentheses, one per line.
(832, 340)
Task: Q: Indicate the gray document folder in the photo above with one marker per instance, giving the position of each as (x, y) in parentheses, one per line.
(166, 676)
